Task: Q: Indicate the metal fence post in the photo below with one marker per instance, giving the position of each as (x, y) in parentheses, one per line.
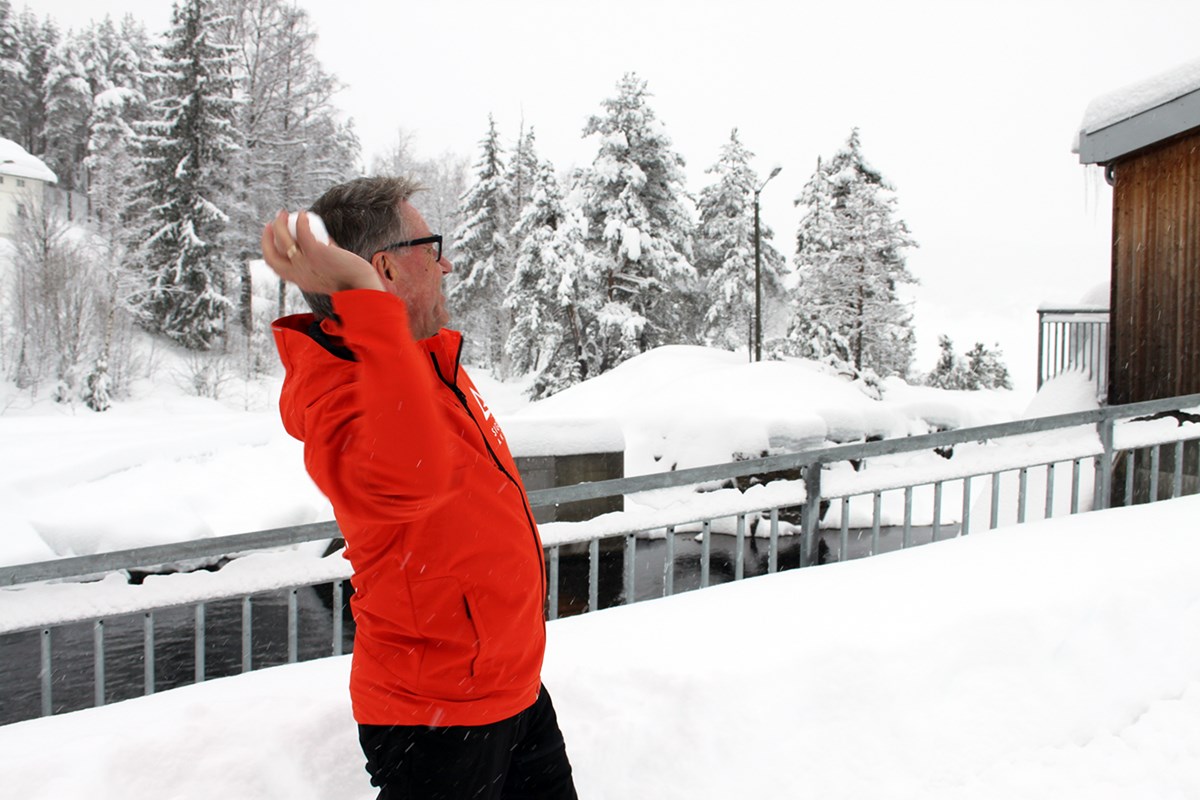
(812, 511)
(1106, 464)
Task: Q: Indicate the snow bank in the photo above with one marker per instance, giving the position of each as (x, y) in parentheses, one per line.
(682, 406)
(1052, 660)
(562, 437)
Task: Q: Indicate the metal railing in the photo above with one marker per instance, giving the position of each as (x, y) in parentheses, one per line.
(939, 484)
(1074, 340)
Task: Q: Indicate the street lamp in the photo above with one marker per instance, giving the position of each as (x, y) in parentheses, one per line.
(758, 271)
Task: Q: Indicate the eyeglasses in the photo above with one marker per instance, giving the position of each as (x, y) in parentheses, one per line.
(436, 240)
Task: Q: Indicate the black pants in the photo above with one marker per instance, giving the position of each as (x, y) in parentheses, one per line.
(520, 758)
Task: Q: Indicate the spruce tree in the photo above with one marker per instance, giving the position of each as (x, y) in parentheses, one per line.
(551, 297)
(187, 146)
(11, 71)
(986, 369)
(68, 112)
(117, 76)
(35, 43)
(483, 257)
(948, 373)
(639, 228)
(523, 171)
(725, 249)
(850, 263)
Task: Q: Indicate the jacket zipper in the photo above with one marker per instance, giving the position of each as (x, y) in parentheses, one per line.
(462, 399)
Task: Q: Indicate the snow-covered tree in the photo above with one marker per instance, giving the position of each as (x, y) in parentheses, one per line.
(116, 77)
(11, 72)
(850, 264)
(725, 249)
(639, 227)
(51, 302)
(949, 372)
(292, 144)
(483, 255)
(35, 44)
(444, 179)
(986, 369)
(523, 170)
(551, 296)
(982, 368)
(187, 145)
(114, 181)
(68, 112)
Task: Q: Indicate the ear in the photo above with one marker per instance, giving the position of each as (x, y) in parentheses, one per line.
(383, 267)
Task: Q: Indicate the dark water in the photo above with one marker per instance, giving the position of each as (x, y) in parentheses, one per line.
(73, 659)
(73, 662)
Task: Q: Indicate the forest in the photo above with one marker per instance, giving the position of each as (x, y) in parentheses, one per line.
(172, 148)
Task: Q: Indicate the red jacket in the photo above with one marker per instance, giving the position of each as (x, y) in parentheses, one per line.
(449, 575)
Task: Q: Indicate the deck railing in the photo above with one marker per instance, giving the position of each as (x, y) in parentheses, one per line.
(1074, 340)
(850, 500)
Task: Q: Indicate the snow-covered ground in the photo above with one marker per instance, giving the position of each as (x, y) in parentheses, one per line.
(1053, 660)
(169, 466)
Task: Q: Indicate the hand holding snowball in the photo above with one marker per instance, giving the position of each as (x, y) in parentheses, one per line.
(315, 224)
(298, 248)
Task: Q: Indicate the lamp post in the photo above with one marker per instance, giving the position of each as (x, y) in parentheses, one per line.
(758, 270)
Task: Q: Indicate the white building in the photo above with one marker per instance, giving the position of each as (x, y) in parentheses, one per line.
(23, 182)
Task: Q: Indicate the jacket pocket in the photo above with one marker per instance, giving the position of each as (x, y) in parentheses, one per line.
(445, 620)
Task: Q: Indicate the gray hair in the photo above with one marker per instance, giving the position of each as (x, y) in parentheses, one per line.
(362, 216)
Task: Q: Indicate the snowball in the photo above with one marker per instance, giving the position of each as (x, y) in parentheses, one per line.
(315, 223)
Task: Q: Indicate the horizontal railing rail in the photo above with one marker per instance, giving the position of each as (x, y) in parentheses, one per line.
(218, 546)
(607, 548)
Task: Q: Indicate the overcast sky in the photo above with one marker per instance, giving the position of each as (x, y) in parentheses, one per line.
(969, 108)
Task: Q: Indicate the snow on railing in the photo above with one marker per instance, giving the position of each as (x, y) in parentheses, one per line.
(884, 490)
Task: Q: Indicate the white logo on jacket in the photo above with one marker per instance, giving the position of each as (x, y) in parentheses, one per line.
(487, 416)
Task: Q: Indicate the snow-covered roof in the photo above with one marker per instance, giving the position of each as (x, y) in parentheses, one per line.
(1140, 114)
(16, 161)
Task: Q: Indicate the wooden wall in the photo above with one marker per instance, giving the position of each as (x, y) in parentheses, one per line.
(1154, 348)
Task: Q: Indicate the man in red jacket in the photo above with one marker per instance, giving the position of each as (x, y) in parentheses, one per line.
(449, 575)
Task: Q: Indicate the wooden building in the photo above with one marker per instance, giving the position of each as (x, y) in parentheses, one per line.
(1147, 137)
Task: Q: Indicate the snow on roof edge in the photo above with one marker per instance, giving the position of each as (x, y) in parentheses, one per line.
(16, 161)
(1135, 98)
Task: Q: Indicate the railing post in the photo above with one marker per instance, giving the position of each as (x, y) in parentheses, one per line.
(669, 564)
(247, 634)
(739, 562)
(1041, 348)
(552, 600)
(1106, 464)
(45, 674)
(812, 510)
(337, 618)
(200, 642)
(630, 571)
(293, 626)
(773, 547)
(594, 575)
(98, 662)
(148, 653)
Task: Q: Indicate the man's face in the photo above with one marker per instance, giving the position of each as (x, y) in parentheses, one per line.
(413, 275)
